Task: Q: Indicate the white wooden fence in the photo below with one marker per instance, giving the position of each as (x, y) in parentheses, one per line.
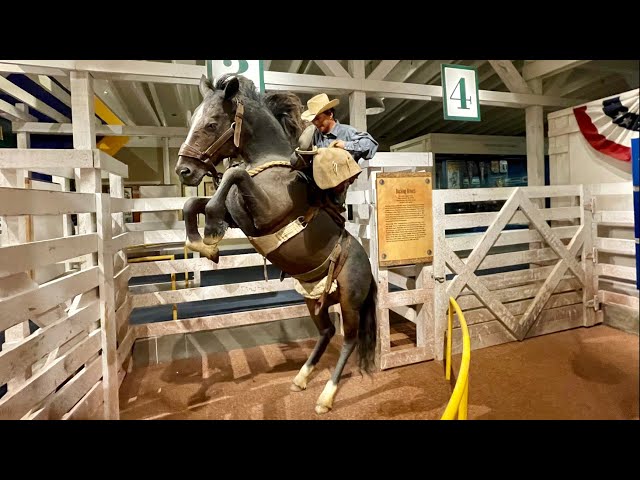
(566, 261)
(67, 339)
(554, 272)
(613, 256)
(60, 358)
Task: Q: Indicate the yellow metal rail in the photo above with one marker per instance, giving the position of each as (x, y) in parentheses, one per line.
(153, 258)
(458, 403)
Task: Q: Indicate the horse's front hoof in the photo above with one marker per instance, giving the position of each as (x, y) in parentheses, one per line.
(297, 388)
(322, 409)
(209, 251)
(215, 258)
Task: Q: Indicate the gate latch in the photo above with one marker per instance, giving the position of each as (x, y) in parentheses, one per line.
(595, 303)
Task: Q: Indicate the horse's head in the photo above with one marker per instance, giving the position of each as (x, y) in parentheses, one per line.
(214, 131)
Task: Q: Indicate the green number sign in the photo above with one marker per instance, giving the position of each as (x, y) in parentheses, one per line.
(252, 69)
(460, 93)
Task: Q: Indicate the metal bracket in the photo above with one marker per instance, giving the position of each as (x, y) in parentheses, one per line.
(593, 256)
(439, 279)
(595, 303)
(590, 206)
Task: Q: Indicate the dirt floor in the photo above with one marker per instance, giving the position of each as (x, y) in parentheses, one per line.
(585, 373)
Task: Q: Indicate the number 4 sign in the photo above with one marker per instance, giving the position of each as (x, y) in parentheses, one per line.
(460, 93)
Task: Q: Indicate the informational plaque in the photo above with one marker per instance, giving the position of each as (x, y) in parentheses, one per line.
(405, 226)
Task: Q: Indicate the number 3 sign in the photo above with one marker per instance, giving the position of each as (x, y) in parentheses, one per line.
(252, 69)
(460, 93)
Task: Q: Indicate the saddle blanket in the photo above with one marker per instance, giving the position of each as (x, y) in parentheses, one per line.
(313, 290)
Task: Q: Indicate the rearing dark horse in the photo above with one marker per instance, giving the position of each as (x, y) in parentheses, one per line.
(273, 205)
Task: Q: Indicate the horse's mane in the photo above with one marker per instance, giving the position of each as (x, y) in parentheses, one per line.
(286, 107)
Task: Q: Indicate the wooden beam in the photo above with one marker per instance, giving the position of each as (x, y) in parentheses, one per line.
(14, 114)
(21, 201)
(107, 130)
(15, 405)
(33, 159)
(24, 306)
(154, 142)
(177, 73)
(332, 68)
(219, 321)
(157, 104)
(45, 340)
(107, 163)
(16, 92)
(107, 92)
(547, 68)
(32, 70)
(534, 125)
(343, 85)
(138, 91)
(383, 69)
(183, 99)
(510, 76)
(294, 66)
(107, 308)
(52, 87)
(552, 87)
(357, 100)
(28, 256)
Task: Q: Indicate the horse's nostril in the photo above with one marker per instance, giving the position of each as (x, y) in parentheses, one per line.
(184, 171)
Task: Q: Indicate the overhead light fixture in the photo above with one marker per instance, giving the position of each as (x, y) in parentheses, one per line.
(374, 105)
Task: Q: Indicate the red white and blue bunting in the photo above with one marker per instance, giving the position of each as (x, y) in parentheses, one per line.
(610, 124)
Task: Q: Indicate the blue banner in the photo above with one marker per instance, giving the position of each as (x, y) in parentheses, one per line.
(635, 162)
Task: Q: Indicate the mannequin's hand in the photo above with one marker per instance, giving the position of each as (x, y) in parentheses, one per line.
(338, 144)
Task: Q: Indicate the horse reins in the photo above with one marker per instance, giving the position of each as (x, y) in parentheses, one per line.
(234, 130)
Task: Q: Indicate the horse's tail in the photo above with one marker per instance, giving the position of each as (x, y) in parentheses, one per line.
(368, 330)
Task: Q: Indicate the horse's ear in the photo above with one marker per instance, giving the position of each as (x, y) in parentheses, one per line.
(205, 86)
(231, 88)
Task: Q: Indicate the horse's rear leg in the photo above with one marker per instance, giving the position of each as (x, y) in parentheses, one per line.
(350, 319)
(327, 331)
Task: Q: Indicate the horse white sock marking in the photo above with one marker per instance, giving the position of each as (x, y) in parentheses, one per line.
(326, 397)
(301, 378)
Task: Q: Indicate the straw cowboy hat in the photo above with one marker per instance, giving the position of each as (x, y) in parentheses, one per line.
(318, 104)
(332, 166)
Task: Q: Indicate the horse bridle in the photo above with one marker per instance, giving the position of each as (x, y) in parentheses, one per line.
(234, 130)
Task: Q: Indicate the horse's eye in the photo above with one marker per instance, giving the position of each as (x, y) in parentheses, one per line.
(211, 126)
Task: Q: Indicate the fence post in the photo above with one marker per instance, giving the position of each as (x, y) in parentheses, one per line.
(107, 308)
(590, 289)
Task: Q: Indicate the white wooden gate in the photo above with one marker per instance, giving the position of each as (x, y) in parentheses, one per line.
(546, 289)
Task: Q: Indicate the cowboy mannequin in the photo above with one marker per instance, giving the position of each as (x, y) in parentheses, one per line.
(329, 132)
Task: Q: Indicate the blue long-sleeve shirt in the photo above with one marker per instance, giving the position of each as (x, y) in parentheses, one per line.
(360, 145)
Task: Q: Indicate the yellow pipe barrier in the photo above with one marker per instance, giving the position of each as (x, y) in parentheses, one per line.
(153, 258)
(458, 403)
(186, 274)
